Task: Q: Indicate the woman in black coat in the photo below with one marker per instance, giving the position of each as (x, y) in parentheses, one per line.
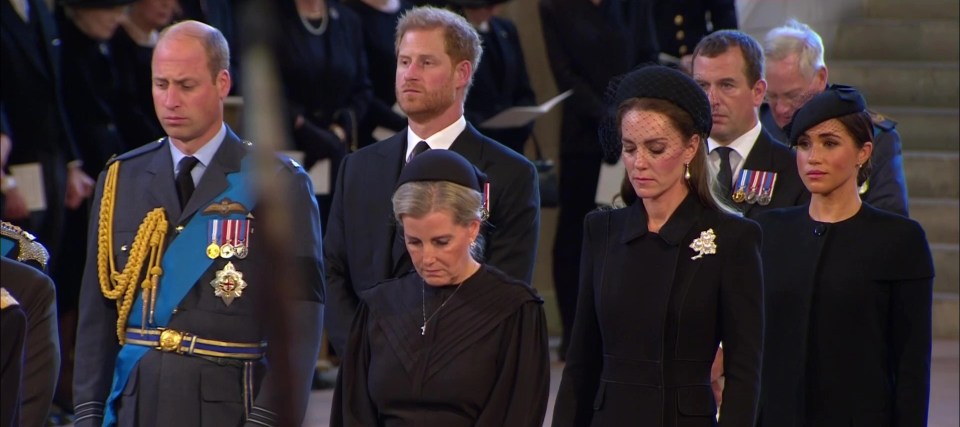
(664, 280)
(848, 287)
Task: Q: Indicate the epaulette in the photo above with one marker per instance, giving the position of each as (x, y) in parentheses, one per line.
(143, 149)
(7, 300)
(883, 122)
(29, 249)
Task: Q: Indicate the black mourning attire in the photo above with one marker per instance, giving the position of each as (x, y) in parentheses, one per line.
(325, 80)
(133, 64)
(483, 360)
(650, 317)
(379, 30)
(500, 82)
(848, 330)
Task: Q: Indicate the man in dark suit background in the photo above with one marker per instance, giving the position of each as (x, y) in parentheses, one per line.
(681, 24)
(728, 66)
(795, 74)
(197, 356)
(363, 243)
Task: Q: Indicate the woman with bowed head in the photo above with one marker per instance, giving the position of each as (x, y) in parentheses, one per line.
(666, 279)
(848, 287)
(453, 342)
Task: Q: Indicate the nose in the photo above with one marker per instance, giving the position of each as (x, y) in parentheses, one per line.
(171, 98)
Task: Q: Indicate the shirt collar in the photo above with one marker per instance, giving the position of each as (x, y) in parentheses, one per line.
(742, 144)
(204, 154)
(439, 141)
(676, 227)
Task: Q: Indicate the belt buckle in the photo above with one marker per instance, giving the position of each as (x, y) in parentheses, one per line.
(170, 340)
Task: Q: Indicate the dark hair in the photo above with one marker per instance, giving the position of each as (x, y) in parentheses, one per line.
(719, 42)
(860, 127)
(682, 121)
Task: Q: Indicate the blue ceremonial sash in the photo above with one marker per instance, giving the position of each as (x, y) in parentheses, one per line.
(6, 245)
(184, 261)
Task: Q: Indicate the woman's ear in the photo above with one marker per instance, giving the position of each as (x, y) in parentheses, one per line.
(865, 152)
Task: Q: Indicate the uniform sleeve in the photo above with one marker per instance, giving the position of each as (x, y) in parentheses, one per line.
(41, 350)
(519, 396)
(887, 184)
(723, 14)
(741, 311)
(342, 301)
(303, 309)
(97, 344)
(911, 330)
(516, 219)
(581, 375)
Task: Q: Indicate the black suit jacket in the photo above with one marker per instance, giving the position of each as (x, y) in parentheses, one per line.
(499, 83)
(770, 155)
(643, 342)
(887, 186)
(363, 247)
(155, 393)
(41, 356)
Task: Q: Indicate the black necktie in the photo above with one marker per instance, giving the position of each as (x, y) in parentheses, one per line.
(725, 174)
(185, 180)
(419, 148)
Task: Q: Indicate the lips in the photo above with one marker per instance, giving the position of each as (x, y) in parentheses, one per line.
(816, 173)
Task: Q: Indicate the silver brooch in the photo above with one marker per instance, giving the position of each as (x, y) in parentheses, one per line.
(704, 245)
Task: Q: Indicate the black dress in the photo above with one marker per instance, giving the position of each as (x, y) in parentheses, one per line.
(848, 330)
(651, 314)
(483, 360)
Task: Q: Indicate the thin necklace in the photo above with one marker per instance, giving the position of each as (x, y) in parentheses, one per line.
(423, 305)
(317, 31)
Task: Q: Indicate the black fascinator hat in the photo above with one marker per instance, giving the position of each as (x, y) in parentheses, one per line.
(652, 81)
(835, 101)
(442, 165)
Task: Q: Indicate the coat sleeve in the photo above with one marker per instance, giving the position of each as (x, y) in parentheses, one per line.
(911, 330)
(41, 348)
(97, 345)
(741, 312)
(519, 396)
(303, 316)
(342, 300)
(352, 405)
(581, 375)
(887, 185)
(516, 217)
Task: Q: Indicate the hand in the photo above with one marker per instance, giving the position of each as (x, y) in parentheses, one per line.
(716, 377)
(14, 206)
(79, 187)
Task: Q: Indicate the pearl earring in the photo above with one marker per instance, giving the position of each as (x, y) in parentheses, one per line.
(686, 171)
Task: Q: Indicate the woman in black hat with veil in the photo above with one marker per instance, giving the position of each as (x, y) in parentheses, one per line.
(665, 279)
(454, 342)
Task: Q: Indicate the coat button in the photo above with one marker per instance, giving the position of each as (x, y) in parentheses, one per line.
(678, 20)
(680, 35)
(683, 49)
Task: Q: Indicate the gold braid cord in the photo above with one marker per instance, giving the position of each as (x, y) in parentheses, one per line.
(121, 286)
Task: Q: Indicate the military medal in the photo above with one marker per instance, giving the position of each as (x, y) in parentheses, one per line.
(766, 194)
(228, 284)
(226, 249)
(213, 249)
(752, 193)
(242, 247)
(740, 195)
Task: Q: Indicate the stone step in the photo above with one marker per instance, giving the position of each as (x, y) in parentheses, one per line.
(932, 174)
(939, 218)
(915, 9)
(916, 83)
(946, 264)
(946, 316)
(925, 128)
(898, 40)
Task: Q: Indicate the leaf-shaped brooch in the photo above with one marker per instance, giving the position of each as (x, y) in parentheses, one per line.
(705, 245)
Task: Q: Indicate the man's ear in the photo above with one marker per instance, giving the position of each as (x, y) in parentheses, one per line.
(463, 72)
(223, 82)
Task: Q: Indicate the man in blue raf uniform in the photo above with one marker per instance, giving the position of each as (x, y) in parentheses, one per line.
(171, 331)
(795, 74)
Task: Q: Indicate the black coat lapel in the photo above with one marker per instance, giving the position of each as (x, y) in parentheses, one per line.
(161, 190)
(392, 158)
(17, 28)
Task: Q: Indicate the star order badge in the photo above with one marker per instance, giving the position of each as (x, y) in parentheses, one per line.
(228, 284)
(705, 244)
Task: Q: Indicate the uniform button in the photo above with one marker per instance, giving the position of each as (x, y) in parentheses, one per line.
(683, 49)
(678, 20)
(123, 248)
(179, 229)
(680, 35)
(175, 310)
